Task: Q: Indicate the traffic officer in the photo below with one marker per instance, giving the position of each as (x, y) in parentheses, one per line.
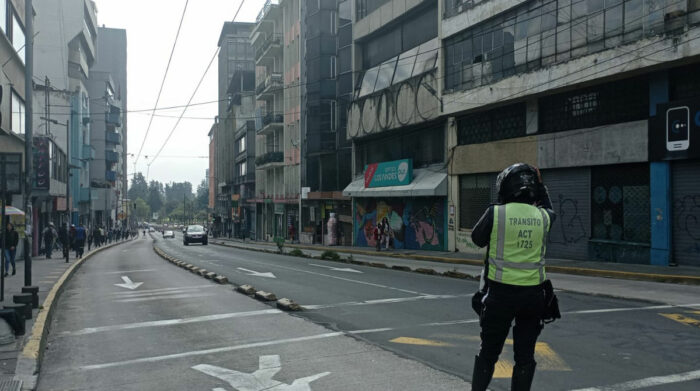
(515, 231)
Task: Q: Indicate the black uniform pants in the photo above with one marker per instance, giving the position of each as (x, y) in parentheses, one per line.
(503, 304)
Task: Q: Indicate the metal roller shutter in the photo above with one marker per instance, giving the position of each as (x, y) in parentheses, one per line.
(686, 212)
(570, 191)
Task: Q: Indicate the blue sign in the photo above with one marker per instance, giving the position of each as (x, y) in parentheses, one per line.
(394, 173)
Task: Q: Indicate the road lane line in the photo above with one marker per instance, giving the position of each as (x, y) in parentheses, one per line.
(652, 307)
(129, 271)
(170, 322)
(648, 382)
(163, 297)
(383, 301)
(183, 288)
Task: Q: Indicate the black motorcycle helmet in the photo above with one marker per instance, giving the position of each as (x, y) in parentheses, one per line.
(520, 182)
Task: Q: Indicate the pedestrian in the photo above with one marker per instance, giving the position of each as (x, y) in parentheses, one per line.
(11, 241)
(80, 235)
(515, 286)
(377, 233)
(90, 238)
(63, 239)
(49, 235)
(387, 233)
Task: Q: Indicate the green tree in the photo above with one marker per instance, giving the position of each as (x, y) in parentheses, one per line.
(155, 196)
(202, 196)
(142, 211)
(176, 190)
(139, 187)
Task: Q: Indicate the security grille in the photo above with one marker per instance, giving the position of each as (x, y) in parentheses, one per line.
(497, 124)
(474, 197)
(607, 103)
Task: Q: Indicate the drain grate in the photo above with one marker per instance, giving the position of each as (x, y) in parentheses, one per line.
(10, 385)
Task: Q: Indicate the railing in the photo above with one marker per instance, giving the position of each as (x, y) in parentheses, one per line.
(110, 176)
(113, 137)
(244, 179)
(274, 39)
(270, 157)
(456, 7)
(111, 156)
(272, 118)
(272, 80)
(266, 9)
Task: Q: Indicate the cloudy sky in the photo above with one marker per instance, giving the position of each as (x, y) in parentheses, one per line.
(151, 27)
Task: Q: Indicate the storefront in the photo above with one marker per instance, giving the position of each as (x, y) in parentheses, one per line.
(413, 201)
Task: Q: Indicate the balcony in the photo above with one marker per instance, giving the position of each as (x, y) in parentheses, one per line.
(269, 123)
(248, 178)
(111, 176)
(268, 87)
(111, 156)
(268, 50)
(321, 143)
(269, 160)
(113, 117)
(113, 137)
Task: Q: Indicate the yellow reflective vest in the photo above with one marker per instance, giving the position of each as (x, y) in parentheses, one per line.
(518, 244)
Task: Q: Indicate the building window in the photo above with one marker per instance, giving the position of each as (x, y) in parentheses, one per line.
(608, 103)
(18, 125)
(18, 40)
(492, 125)
(334, 23)
(540, 33)
(365, 7)
(242, 169)
(620, 209)
(3, 15)
(241, 144)
(333, 70)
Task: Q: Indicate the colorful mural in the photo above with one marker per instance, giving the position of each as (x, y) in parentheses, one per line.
(417, 223)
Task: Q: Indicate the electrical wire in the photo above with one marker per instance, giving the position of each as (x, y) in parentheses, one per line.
(162, 84)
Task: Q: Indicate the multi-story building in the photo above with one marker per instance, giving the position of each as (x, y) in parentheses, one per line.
(241, 111)
(12, 94)
(235, 54)
(275, 40)
(107, 86)
(63, 54)
(602, 96)
(400, 154)
(326, 81)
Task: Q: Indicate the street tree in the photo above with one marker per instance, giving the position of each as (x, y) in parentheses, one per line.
(141, 210)
(155, 196)
(202, 196)
(139, 187)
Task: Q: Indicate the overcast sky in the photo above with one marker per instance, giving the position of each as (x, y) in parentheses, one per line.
(151, 26)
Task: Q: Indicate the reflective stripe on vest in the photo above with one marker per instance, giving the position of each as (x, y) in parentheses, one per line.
(522, 263)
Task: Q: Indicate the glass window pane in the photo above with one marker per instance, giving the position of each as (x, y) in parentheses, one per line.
(564, 12)
(3, 15)
(386, 72)
(368, 81)
(613, 21)
(18, 37)
(427, 56)
(404, 67)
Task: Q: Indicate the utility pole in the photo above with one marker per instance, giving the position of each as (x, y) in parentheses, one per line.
(28, 138)
(68, 206)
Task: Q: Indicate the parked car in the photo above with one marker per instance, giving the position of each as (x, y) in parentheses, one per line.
(195, 234)
(168, 234)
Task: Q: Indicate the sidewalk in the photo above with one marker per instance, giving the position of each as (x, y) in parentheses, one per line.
(637, 282)
(45, 274)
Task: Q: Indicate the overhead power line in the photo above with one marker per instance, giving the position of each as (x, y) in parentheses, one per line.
(162, 83)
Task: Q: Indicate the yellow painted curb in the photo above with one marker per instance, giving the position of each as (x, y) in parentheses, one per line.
(32, 348)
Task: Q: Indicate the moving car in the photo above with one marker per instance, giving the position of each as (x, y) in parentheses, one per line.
(168, 234)
(195, 234)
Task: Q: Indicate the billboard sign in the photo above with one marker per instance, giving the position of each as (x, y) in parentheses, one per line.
(674, 133)
(394, 173)
(42, 163)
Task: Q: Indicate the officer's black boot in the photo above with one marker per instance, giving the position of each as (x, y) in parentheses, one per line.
(483, 372)
(522, 377)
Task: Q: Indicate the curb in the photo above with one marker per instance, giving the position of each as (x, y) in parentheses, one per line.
(219, 279)
(29, 360)
(581, 271)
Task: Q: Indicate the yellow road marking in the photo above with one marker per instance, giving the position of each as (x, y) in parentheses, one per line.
(693, 312)
(682, 319)
(503, 369)
(419, 341)
(545, 356)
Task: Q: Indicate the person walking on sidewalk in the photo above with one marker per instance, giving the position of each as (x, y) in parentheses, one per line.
(11, 241)
(515, 231)
(386, 233)
(80, 235)
(49, 235)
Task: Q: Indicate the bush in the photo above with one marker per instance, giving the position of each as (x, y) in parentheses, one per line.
(297, 253)
(330, 255)
(279, 241)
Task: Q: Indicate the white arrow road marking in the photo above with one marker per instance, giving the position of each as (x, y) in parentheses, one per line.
(340, 269)
(261, 379)
(257, 274)
(648, 382)
(128, 284)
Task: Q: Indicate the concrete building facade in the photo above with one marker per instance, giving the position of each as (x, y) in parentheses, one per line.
(582, 90)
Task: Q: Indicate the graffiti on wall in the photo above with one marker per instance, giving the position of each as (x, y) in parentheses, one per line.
(464, 244)
(568, 228)
(687, 220)
(417, 223)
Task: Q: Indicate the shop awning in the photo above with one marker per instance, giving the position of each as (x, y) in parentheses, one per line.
(426, 183)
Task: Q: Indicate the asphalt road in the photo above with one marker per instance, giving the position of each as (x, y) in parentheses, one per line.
(599, 342)
(127, 320)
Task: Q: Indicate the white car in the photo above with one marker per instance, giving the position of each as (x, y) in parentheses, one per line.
(168, 234)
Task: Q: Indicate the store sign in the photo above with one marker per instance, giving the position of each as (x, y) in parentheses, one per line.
(674, 133)
(11, 172)
(394, 173)
(42, 168)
